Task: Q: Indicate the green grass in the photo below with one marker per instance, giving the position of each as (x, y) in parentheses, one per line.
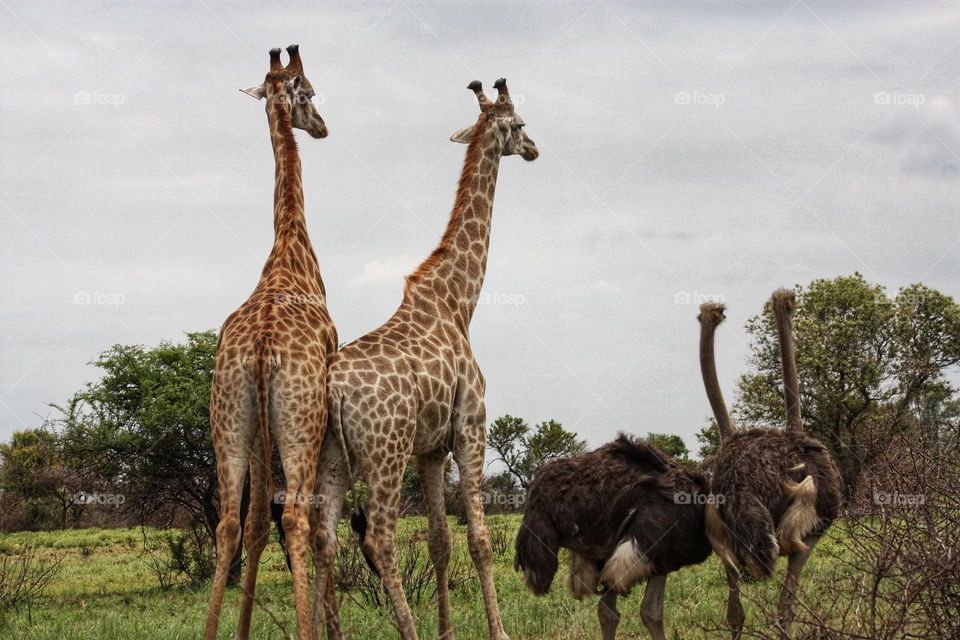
(106, 591)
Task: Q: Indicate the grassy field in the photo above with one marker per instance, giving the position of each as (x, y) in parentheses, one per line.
(106, 590)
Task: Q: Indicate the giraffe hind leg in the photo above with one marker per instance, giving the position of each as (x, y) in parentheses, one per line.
(233, 434)
(331, 487)
(383, 487)
(255, 535)
(430, 468)
(298, 422)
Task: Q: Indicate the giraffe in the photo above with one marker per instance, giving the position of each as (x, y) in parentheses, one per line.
(271, 366)
(412, 387)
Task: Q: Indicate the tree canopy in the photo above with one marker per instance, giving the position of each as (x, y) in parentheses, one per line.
(524, 450)
(671, 444)
(863, 358)
(145, 426)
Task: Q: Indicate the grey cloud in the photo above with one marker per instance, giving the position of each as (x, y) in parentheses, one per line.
(166, 198)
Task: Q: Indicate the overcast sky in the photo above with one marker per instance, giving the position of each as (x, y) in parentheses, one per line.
(686, 150)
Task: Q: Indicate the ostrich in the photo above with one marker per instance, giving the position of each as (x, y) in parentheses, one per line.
(780, 489)
(626, 512)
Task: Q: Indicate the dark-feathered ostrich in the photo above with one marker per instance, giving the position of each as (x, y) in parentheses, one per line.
(777, 490)
(626, 512)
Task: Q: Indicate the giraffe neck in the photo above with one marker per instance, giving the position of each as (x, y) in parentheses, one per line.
(453, 274)
(292, 254)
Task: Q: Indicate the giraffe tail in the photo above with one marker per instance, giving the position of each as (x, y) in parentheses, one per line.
(358, 521)
(263, 360)
(276, 514)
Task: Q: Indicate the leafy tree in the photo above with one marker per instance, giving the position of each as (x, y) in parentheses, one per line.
(412, 496)
(502, 493)
(145, 428)
(24, 459)
(671, 444)
(709, 439)
(32, 467)
(503, 482)
(862, 358)
(523, 450)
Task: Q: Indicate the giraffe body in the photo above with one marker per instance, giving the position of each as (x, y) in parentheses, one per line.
(413, 388)
(271, 366)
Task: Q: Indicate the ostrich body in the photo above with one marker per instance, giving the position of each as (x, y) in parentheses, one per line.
(626, 512)
(778, 489)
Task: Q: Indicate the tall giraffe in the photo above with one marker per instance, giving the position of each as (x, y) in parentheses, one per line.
(271, 366)
(412, 387)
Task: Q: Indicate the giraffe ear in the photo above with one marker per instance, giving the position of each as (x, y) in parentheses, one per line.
(462, 136)
(256, 91)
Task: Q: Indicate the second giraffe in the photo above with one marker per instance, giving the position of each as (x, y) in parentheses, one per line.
(413, 388)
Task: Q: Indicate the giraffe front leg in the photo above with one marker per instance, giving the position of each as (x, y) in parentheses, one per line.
(470, 443)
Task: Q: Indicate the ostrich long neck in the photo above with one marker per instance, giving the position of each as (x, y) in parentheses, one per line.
(708, 368)
(783, 311)
(453, 274)
(292, 252)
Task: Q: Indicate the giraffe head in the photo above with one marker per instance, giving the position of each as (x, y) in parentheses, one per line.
(296, 90)
(500, 117)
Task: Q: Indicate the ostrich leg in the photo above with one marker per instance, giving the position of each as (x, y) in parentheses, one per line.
(651, 609)
(734, 607)
(788, 594)
(608, 614)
